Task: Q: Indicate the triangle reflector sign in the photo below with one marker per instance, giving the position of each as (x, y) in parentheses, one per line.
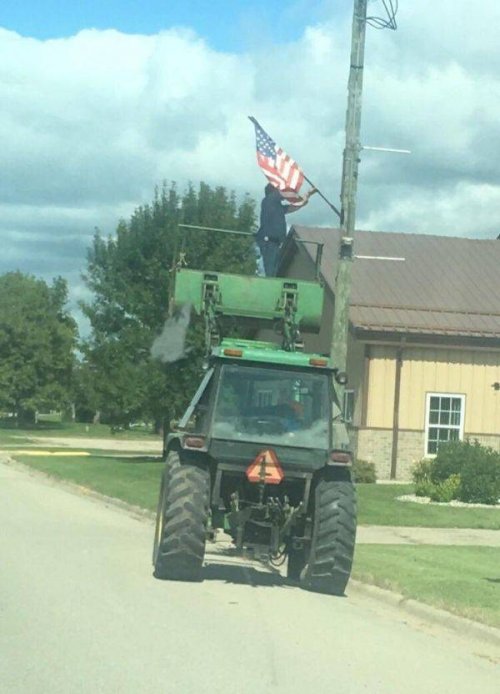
(265, 468)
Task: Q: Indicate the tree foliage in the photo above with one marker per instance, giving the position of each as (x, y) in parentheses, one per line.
(37, 339)
(130, 277)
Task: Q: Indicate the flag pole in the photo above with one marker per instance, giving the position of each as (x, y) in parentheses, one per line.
(330, 204)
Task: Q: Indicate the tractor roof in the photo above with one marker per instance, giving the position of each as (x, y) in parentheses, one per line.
(268, 353)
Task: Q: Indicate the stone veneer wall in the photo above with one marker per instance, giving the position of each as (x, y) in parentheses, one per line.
(485, 440)
(375, 446)
(353, 439)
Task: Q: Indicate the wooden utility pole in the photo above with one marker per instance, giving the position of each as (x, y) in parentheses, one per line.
(349, 188)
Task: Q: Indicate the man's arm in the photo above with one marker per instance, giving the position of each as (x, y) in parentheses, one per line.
(288, 209)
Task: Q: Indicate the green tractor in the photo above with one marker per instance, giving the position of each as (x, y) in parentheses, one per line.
(262, 450)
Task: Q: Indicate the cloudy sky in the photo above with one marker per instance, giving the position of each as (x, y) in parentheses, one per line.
(102, 101)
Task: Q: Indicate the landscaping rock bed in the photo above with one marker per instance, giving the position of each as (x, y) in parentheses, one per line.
(457, 504)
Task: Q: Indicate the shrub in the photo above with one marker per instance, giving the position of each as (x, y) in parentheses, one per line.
(461, 470)
(446, 491)
(424, 488)
(363, 471)
(421, 474)
(421, 471)
(451, 458)
(481, 477)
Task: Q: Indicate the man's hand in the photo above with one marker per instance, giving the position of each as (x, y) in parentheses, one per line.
(293, 208)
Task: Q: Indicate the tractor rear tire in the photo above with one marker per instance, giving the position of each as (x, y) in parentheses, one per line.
(181, 521)
(334, 534)
(171, 461)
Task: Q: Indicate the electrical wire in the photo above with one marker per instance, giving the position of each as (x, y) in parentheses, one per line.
(389, 22)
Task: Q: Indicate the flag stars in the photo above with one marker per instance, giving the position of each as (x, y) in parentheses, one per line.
(281, 171)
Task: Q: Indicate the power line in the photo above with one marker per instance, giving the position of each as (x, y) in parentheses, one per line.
(389, 22)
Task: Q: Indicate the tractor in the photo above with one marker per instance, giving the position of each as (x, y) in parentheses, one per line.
(262, 451)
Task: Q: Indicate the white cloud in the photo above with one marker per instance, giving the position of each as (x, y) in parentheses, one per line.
(91, 123)
(464, 210)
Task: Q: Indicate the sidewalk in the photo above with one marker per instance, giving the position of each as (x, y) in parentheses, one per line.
(88, 443)
(390, 535)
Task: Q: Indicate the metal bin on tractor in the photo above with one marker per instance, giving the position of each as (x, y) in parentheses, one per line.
(261, 451)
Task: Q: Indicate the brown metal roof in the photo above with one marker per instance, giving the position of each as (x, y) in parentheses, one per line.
(445, 285)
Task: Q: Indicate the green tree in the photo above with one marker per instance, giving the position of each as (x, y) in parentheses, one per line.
(37, 340)
(130, 277)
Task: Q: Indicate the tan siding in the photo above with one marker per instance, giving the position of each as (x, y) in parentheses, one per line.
(466, 372)
(474, 405)
(381, 387)
(482, 411)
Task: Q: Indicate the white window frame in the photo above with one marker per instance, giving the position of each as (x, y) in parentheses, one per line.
(348, 392)
(265, 397)
(428, 425)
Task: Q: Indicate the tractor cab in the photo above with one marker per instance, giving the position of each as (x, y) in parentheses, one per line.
(261, 451)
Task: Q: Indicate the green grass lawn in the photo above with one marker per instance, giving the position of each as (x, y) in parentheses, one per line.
(378, 505)
(463, 580)
(134, 480)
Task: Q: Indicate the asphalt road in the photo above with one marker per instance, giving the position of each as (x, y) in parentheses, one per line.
(80, 612)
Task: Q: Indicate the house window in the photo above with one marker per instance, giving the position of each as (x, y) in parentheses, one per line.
(348, 407)
(264, 398)
(444, 420)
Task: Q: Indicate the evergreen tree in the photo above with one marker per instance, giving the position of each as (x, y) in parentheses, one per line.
(130, 277)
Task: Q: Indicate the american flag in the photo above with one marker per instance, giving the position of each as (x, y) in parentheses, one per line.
(281, 170)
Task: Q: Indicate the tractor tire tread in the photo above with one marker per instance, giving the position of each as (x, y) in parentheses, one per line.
(182, 545)
(332, 550)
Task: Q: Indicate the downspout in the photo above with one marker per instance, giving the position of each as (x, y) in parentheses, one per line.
(395, 417)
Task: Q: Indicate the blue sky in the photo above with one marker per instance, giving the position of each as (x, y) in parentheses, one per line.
(227, 25)
(92, 120)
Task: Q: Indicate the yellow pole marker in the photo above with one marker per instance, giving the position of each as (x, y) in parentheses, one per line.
(68, 453)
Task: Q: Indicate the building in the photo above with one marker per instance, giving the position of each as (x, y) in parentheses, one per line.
(424, 342)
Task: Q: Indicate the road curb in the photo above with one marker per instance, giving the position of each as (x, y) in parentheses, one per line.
(131, 510)
(464, 626)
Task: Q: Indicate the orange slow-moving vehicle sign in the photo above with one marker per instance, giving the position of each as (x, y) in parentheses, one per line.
(265, 468)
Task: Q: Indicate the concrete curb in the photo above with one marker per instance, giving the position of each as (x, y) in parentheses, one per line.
(462, 625)
(465, 627)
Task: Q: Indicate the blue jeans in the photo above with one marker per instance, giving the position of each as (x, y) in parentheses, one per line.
(270, 255)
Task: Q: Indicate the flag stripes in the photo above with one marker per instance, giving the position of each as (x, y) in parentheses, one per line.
(281, 170)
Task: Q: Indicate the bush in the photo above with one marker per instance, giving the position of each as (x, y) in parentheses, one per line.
(443, 491)
(363, 471)
(481, 477)
(446, 491)
(421, 474)
(461, 470)
(451, 458)
(424, 488)
(421, 471)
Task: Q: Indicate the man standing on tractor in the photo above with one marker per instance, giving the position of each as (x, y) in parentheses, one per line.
(272, 230)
